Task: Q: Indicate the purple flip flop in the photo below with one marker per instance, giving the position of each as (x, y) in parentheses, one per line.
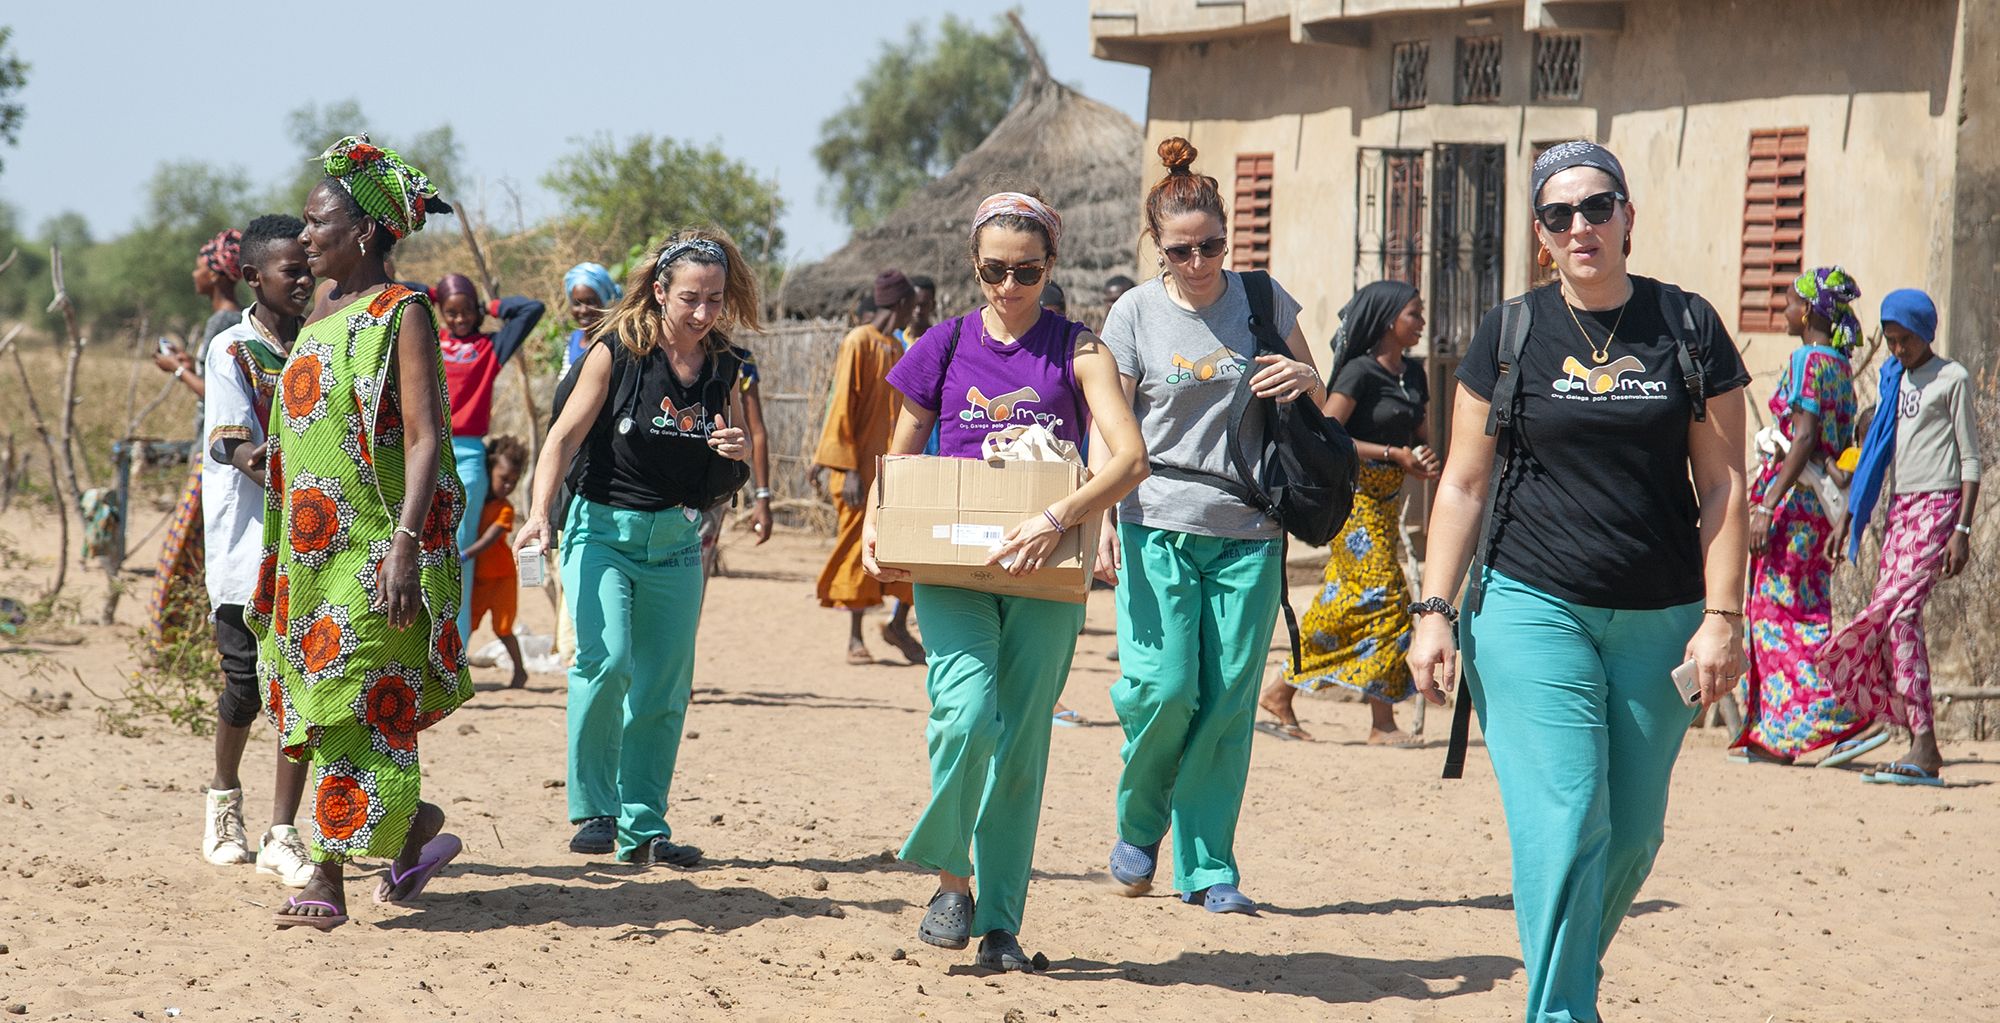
(436, 853)
(323, 923)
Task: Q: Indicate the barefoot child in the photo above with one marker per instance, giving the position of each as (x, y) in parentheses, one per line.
(495, 587)
(242, 373)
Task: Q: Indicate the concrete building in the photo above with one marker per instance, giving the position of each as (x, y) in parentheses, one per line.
(1393, 138)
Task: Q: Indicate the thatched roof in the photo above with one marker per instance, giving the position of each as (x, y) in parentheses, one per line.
(1079, 155)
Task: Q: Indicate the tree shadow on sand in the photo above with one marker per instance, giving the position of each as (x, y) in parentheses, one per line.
(793, 701)
(1502, 901)
(1326, 976)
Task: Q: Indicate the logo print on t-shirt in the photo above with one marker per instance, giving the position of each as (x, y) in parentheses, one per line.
(1607, 382)
(681, 420)
(1204, 369)
(1909, 401)
(1005, 408)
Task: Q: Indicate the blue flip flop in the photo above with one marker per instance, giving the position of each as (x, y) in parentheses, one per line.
(1900, 773)
(1132, 866)
(1220, 898)
(1849, 750)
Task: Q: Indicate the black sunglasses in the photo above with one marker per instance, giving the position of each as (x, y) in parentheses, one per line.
(1209, 250)
(994, 273)
(1558, 216)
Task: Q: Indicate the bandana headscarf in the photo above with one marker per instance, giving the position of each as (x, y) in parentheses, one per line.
(224, 254)
(595, 277)
(711, 252)
(394, 193)
(1831, 291)
(1001, 204)
(1367, 316)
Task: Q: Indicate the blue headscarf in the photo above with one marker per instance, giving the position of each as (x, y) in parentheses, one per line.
(1914, 311)
(595, 277)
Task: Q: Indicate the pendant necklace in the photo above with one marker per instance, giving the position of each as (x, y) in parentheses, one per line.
(1598, 356)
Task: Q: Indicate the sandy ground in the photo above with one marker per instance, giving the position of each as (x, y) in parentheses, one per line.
(1791, 895)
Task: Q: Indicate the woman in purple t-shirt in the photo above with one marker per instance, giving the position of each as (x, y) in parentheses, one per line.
(1008, 363)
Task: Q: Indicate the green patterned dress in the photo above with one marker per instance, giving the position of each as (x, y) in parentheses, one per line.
(343, 687)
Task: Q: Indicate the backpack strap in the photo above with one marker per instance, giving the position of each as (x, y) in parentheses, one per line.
(1258, 288)
(1675, 309)
(1516, 318)
(1261, 292)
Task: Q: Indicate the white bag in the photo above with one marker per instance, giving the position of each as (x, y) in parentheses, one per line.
(1832, 493)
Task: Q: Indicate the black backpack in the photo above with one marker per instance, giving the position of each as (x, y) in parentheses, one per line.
(1516, 317)
(1304, 477)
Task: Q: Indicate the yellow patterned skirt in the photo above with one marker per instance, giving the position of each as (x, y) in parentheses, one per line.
(1357, 631)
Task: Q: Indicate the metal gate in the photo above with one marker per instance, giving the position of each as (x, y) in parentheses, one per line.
(1468, 185)
(1389, 216)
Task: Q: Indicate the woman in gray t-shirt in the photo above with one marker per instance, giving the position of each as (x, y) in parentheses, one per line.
(1202, 570)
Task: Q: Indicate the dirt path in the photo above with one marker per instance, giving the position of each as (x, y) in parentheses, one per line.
(1792, 895)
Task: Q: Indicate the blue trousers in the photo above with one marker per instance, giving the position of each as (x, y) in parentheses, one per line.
(470, 455)
(1583, 726)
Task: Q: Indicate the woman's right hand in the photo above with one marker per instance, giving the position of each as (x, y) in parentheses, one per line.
(1434, 658)
(876, 569)
(535, 531)
(1108, 553)
(1419, 461)
(1836, 545)
(1761, 521)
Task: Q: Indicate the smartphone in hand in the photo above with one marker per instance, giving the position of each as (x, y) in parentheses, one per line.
(1688, 681)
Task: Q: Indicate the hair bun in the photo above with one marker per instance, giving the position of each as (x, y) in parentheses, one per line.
(1178, 154)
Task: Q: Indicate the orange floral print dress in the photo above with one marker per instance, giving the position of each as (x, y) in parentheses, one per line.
(342, 686)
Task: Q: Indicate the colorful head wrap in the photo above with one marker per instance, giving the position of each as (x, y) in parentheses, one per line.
(224, 254)
(595, 277)
(396, 194)
(1001, 204)
(1831, 292)
(892, 287)
(708, 249)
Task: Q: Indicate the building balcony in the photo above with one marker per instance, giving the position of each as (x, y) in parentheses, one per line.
(1132, 30)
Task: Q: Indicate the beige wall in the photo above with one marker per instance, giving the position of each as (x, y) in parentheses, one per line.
(1676, 95)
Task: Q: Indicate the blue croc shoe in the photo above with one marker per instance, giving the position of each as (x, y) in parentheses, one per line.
(1132, 866)
(1220, 898)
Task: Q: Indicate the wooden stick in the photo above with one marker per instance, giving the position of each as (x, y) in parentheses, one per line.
(55, 480)
(493, 291)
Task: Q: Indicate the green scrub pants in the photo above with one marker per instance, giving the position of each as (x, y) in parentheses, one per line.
(634, 584)
(997, 664)
(1195, 615)
(1583, 725)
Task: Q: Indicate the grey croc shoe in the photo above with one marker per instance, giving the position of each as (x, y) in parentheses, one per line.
(596, 836)
(1000, 951)
(948, 921)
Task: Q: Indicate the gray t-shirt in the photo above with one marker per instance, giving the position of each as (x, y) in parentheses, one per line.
(1186, 364)
(1937, 441)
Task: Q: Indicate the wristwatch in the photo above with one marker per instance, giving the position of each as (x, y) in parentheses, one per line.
(1434, 606)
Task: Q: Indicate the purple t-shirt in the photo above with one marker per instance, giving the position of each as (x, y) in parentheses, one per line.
(991, 386)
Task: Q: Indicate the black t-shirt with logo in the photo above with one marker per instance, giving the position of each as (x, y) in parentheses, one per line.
(1388, 409)
(648, 449)
(1598, 507)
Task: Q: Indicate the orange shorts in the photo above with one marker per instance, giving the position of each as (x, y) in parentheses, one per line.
(501, 597)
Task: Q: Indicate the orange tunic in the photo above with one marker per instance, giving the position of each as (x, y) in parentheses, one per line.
(859, 421)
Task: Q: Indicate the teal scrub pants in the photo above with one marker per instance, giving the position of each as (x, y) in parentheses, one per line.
(634, 585)
(997, 665)
(1583, 725)
(1194, 626)
(470, 455)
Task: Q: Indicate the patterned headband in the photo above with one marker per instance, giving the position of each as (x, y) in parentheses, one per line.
(1830, 292)
(706, 247)
(382, 183)
(1003, 204)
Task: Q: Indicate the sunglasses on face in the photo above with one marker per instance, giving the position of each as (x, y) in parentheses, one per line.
(1209, 250)
(1596, 209)
(994, 273)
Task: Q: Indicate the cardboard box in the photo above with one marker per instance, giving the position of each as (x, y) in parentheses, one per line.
(938, 518)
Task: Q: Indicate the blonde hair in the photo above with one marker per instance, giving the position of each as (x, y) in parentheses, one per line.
(639, 322)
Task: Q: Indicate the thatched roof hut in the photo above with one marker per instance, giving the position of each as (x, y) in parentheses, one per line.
(1079, 155)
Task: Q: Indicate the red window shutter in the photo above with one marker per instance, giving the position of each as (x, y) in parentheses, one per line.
(1774, 227)
(1250, 235)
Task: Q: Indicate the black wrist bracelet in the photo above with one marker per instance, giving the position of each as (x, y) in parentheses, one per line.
(1434, 606)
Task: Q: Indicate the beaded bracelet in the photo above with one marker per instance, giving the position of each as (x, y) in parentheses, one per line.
(1053, 521)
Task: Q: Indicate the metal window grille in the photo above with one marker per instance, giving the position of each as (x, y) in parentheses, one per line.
(1774, 227)
(1409, 75)
(1538, 274)
(1478, 70)
(1250, 242)
(1389, 225)
(1558, 67)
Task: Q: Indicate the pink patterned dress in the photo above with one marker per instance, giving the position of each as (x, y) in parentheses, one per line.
(1789, 706)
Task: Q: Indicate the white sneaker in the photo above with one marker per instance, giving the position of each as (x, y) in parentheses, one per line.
(223, 841)
(284, 855)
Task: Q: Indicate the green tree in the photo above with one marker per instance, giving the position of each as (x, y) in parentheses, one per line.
(148, 268)
(640, 192)
(922, 104)
(13, 75)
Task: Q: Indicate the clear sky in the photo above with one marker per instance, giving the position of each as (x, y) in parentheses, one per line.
(117, 87)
